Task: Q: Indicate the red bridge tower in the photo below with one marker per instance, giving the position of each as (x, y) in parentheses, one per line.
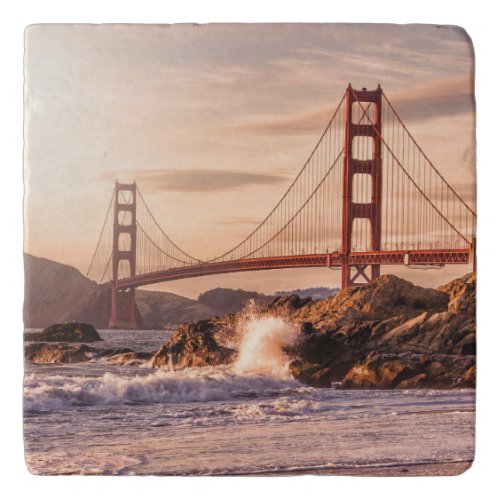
(123, 308)
(362, 125)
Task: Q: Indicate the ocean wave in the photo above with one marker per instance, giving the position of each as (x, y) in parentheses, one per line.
(191, 385)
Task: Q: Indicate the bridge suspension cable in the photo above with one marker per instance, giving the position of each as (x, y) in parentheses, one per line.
(155, 250)
(99, 269)
(307, 218)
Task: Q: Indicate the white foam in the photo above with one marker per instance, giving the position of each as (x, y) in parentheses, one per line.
(261, 346)
(190, 385)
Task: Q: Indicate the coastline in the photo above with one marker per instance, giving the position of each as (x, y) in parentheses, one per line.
(393, 470)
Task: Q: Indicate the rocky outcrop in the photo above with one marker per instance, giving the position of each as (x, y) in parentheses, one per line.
(62, 352)
(129, 358)
(193, 345)
(444, 332)
(357, 321)
(462, 293)
(383, 298)
(65, 332)
(42, 352)
(410, 371)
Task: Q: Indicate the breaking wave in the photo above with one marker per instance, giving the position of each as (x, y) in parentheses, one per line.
(189, 385)
(261, 346)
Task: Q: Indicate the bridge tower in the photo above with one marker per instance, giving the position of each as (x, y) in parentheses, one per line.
(123, 307)
(358, 125)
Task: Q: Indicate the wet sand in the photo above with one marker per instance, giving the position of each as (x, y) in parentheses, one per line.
(408, 470)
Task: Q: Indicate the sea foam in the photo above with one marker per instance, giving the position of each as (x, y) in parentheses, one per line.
(189, 385)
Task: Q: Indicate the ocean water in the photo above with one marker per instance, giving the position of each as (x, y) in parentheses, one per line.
(248, 418)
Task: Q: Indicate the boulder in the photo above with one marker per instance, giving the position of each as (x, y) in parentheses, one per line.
(311, 374)
(403, 371)
(193, 345)
(65, 332)
(42, 352)
(129, 358)
(321, 359)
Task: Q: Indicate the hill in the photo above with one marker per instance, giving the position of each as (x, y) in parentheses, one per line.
(229, 301)
(57, 293)
(52, 291)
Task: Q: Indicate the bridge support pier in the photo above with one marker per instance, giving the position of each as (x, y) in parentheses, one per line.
(351, 273)
(367, 132)
(123, 307)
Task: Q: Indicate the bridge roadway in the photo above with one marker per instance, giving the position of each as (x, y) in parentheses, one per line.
(393, 257)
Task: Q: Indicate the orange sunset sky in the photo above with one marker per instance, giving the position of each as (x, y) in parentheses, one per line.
(215, 121)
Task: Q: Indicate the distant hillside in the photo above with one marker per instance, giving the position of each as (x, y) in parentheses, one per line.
(316, 293)
(228, 301)
(57, 293)
(52, 291)
(161, 308)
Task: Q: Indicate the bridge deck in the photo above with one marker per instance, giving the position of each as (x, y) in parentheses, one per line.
(415, 257)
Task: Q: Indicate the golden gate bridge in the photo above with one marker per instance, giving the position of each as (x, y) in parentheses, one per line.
(366, 196)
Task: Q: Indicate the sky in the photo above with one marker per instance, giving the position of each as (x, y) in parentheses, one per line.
(215, 121)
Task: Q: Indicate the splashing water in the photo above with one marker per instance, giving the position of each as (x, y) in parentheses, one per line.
(261, 347)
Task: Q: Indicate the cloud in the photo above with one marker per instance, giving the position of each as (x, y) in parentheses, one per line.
(306, 123)
(194, 180)
(446, 97)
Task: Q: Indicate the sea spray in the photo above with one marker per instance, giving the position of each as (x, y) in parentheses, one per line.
(261, 346)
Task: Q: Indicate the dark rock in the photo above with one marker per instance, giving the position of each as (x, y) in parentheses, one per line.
(41, 352)
(65, 332)
(193, 345)
(103, 353)
(129, 358)
(320, 359)
(314, 375)
(402, 371)
(306, 328)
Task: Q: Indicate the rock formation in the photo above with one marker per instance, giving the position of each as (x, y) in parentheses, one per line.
(193, 345)
(386, 334)
(43, 352)
(65, 332)
(409, 371)
(421, 322)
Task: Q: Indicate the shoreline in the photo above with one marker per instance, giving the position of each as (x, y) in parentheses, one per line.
(393, 470)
